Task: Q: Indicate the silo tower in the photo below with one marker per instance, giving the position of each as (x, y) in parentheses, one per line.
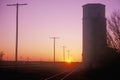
(94, 33)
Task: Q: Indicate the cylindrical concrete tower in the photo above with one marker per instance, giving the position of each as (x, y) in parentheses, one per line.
(94, 33)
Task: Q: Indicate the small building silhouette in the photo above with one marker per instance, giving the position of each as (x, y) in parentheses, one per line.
(94, 33)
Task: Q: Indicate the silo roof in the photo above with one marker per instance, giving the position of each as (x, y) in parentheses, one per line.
(94, 4)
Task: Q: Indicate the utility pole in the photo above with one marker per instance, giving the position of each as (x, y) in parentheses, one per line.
(68, 54)
(64, 53)
(16, 43)
(54, 47)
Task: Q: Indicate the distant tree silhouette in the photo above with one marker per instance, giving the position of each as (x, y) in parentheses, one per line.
(1, 55)
(113, 30)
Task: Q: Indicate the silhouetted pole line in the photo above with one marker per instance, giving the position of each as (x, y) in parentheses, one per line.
(68, 54)
(16, 45)
(64, 53)
(54, 47)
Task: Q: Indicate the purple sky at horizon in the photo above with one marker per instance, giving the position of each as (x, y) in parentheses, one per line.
(41, 19)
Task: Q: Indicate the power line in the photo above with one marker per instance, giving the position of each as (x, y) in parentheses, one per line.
(16, 45)
(54, 46)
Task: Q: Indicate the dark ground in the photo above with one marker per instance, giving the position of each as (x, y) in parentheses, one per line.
(42, 70)
(32, 70)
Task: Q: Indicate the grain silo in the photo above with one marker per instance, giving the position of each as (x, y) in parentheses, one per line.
(94, 33)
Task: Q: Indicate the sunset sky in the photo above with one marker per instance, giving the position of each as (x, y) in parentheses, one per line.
(42, 19)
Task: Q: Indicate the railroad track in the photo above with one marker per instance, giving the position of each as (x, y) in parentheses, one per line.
(62, 75)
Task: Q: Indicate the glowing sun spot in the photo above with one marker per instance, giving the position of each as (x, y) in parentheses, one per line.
(68, 61)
